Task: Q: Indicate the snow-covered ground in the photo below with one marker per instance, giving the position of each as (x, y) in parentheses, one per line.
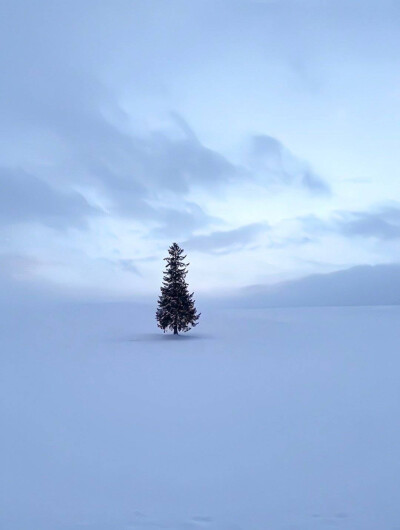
(257, 419)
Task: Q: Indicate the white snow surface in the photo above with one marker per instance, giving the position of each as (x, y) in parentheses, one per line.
(263, 419)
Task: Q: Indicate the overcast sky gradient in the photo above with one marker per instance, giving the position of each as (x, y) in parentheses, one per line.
(263, 136)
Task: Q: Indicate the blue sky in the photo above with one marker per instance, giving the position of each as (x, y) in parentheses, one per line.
(262, 136)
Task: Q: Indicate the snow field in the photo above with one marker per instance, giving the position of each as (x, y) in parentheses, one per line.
(271, 419)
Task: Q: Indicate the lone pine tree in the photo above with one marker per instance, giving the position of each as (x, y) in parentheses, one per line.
(176, 310)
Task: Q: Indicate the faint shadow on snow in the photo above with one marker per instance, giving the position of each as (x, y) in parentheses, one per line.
(152, 337)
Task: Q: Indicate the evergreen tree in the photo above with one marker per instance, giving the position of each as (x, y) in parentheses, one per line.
(176, 310)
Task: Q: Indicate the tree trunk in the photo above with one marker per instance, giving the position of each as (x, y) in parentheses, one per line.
(176, 330)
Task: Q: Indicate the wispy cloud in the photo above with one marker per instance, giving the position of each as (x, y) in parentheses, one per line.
(276, 165)
(25, 198)
(221, 242)
(379, 222)
(382, 223)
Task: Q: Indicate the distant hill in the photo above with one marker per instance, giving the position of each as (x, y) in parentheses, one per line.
(361, 285)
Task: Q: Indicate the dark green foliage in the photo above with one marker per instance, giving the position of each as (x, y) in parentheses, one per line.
(176, 310)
